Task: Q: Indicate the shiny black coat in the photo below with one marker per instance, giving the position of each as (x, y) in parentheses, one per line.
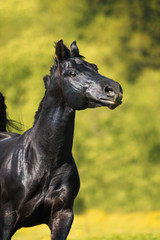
(38, 176)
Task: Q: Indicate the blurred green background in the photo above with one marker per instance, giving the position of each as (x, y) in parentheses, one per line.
(117, 152)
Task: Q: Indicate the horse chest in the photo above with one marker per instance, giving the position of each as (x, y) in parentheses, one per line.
(63, 184)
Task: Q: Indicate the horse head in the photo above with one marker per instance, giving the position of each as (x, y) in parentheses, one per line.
(81, 84)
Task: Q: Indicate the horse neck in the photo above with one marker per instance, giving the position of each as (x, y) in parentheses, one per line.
(53, 131)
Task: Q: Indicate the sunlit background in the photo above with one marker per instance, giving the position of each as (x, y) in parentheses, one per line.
(117, 152)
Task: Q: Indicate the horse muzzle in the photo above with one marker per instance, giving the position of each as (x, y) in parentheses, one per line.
(109, 96)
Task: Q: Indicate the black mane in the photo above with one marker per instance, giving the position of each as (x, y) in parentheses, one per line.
(46, 81)
(6, 124)
(3, 114)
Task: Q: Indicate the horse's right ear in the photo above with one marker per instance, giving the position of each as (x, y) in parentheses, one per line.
(62, 52)
(74, 49)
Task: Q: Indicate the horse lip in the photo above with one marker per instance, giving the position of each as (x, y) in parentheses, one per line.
(106, 100)
(103, 100)
(113, 103)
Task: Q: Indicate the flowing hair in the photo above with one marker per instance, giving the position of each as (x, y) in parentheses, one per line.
(6, 124)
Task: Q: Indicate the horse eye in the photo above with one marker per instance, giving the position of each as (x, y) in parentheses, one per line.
(73, 74)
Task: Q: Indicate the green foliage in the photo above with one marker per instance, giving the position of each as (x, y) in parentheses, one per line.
(117, 152)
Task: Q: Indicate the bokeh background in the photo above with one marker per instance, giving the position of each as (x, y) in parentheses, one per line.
(117, 152)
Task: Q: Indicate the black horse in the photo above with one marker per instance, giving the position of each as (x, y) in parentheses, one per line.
(38, 176)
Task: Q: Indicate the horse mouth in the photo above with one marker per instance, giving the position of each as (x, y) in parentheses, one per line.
(101, 100)
(111, 104)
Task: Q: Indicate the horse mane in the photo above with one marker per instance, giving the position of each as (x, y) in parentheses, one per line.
(7, 124)
(46, 81)
(3, 114)
(37, 114)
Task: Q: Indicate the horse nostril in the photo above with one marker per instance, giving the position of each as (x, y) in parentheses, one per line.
(109, 91)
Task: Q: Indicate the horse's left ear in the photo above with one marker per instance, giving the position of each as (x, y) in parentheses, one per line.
(74, 50)
(62, 52)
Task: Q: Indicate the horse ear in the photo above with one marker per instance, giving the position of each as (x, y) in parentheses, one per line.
(74, 50)
(62, 52)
